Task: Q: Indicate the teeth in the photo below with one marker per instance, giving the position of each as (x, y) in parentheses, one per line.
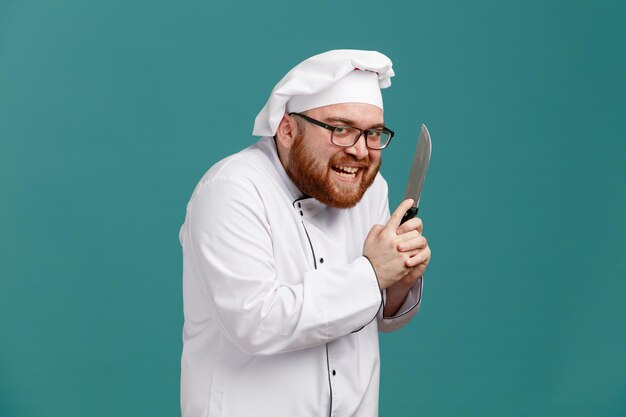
(350, 170)
(346, 172)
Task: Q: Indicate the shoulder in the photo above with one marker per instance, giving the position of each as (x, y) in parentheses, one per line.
(245, 179)
(380, 183)
(378, 190)
(244, 168)
(244, 165)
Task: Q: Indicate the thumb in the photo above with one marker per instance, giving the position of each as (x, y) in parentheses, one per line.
(394, 221)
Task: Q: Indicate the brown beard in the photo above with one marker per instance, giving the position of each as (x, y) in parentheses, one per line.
(313, 177)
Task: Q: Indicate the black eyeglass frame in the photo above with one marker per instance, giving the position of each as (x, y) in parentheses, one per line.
(332, 128)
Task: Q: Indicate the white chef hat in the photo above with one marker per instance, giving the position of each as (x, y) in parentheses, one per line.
(339, 76)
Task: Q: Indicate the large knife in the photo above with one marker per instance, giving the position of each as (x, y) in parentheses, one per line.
(417, 175)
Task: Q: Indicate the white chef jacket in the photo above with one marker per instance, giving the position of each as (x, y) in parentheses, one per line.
(282, 311)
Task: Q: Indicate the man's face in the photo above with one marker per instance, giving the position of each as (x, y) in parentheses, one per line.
(336, 176)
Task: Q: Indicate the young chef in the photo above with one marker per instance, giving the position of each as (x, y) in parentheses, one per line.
(291, 261)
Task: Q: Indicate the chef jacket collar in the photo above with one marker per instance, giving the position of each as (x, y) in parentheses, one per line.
(309, 206)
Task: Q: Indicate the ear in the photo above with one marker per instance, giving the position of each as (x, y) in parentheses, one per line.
(286, 132)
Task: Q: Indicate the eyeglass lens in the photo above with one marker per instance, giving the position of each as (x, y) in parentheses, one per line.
(348, 136)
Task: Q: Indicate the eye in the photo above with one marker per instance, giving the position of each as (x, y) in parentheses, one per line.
(341, 131)
(374, 133)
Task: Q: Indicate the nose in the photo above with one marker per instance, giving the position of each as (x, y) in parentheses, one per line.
(359, 150)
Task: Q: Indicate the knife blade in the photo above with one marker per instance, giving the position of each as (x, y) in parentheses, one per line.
(417, 175)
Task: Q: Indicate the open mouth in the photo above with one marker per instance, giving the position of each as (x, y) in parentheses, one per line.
(346, 171)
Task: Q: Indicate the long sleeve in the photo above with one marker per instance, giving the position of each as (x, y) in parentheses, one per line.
(411, 305)
(234, 242)
(405, 313)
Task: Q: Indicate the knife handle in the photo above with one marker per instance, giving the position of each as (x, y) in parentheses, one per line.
(412, 212)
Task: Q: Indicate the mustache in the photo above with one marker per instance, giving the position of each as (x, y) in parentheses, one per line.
(350, 159)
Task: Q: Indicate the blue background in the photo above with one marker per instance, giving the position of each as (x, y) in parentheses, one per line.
(111, 111)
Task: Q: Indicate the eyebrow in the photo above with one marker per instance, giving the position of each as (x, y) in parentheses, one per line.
(351, 122)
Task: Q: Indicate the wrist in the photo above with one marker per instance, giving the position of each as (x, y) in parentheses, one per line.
(399, 289)
(382, 284)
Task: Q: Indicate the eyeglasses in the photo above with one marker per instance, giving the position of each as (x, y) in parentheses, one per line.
(347, 135)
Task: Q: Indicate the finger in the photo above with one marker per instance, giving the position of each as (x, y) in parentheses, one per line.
(412, 276)
(414, 224)
(422, 258)
(415, 257)
(413, 234)
(396, 217)
(418, 243)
